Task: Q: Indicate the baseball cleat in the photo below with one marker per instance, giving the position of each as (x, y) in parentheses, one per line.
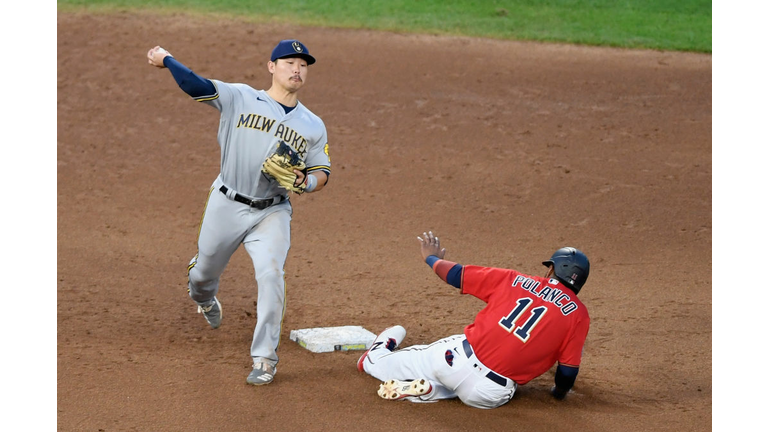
(396, 389)
(390, 339)
(212, 313)
(262, 373)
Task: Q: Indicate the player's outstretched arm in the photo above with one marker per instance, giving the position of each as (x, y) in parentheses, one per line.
(156, 55)
(192, 84)
(448, 271)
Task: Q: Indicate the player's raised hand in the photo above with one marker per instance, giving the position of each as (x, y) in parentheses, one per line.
(156, 55)
(430, 245)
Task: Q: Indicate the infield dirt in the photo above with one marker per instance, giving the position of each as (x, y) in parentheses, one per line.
(506, 150)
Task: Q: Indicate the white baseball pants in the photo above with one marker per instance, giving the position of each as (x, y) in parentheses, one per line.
(466, 377)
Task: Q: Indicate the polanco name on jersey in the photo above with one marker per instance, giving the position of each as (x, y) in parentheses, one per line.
(548, 294)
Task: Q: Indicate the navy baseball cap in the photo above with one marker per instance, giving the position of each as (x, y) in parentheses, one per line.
(291, 48)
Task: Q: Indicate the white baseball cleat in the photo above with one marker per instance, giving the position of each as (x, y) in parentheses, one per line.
(396, 389)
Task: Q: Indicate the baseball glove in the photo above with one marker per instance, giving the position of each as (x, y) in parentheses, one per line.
(280, 166)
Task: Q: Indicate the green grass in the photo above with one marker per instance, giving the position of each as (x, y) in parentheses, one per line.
(676, 25)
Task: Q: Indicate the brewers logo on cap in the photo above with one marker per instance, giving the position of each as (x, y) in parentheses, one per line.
(292, 48)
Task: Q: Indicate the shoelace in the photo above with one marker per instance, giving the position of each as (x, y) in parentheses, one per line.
(205, 309)
(265, 367)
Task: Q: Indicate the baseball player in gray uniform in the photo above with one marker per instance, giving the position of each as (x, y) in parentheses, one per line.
(245, 205)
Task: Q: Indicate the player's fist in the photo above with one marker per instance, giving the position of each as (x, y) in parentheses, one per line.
(430, 245)
(558, 393)
(156, 55)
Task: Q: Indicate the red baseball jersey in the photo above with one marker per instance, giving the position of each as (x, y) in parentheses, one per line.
(529, 322)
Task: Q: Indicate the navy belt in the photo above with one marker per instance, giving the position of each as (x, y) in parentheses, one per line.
(259, 204)
(491, 375)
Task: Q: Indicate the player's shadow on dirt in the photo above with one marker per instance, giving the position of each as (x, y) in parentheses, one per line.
(587, 397)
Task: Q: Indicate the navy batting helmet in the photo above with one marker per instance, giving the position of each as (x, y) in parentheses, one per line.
(571, 267)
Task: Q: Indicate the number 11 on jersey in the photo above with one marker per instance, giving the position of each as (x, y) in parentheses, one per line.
(524, 331)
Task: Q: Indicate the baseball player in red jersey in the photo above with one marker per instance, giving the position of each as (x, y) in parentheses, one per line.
(529, 324)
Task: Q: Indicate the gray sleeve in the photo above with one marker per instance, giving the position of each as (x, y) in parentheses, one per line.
(318, 156)
(223, 99)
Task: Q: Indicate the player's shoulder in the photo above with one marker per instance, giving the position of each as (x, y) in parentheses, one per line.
(241, 87)
(498, 271)
(582, 310)
(246, 89)
(310, 114)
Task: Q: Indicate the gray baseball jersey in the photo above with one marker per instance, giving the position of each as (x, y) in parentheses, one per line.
(251, 126)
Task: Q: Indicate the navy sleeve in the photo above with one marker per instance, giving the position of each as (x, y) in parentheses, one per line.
(454, 276)
(192, 84)
(565, 377)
